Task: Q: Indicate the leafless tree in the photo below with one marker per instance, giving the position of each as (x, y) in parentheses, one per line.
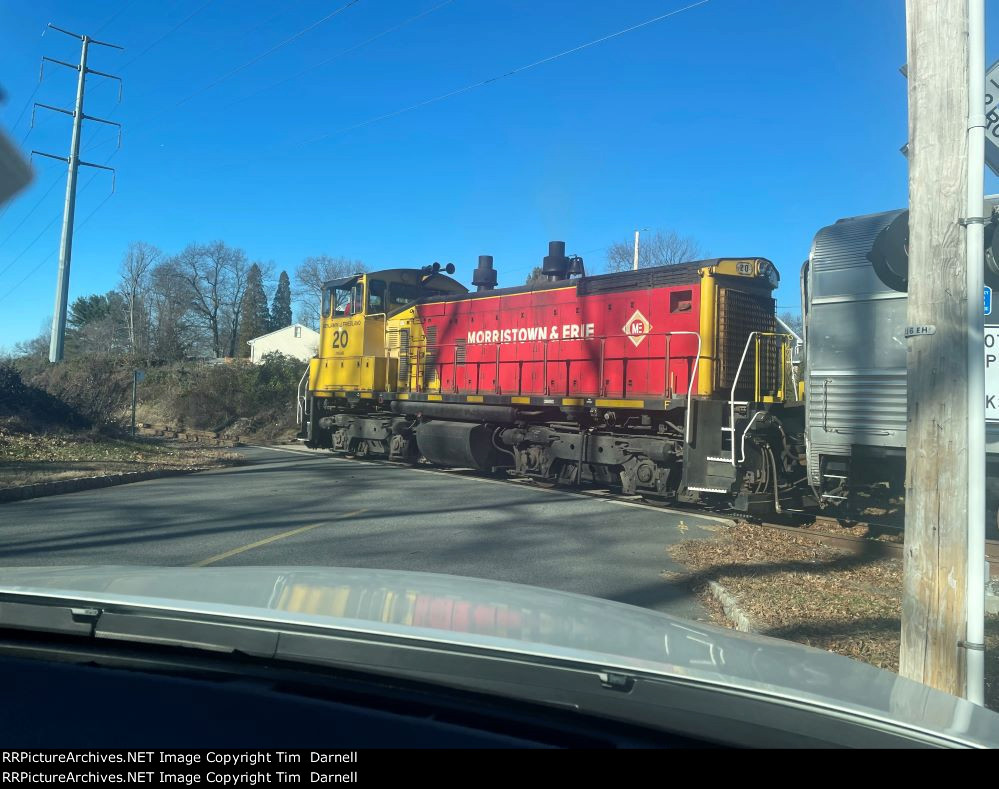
(793, 319)
(659, 248)
(136, 270)
(309, 278)
(170, 299)
(216, 276)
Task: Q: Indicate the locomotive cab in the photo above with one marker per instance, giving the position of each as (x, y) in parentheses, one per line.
(352, 353)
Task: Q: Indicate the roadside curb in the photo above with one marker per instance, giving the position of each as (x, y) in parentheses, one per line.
(41, 489)
(731, 607)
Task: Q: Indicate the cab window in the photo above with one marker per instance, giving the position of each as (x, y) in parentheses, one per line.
(376, 296)
(347, 300)
(400, 294)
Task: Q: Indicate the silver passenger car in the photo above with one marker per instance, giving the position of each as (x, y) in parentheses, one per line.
(854, 301)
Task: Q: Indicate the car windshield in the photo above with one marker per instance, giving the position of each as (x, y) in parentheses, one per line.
(548, 299)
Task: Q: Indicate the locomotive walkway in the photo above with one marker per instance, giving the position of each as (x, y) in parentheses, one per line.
(294, 507)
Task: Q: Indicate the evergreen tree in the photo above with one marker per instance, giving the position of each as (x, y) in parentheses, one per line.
(281, 305)
(254, 318)
(536, 277)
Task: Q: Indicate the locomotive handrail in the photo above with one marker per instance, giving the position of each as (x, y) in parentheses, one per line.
(300, 400)
(420, 352)
(756, 383)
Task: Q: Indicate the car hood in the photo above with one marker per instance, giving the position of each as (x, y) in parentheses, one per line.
(517, 619)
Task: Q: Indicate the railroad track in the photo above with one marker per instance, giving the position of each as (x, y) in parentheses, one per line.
(850, 543)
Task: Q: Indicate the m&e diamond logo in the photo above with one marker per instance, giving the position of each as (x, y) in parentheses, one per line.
(637, 328)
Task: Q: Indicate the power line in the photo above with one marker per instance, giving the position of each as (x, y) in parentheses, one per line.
(169, 33)
(314, 66)
(511, 73)
(52, 185)
(268, 52)
(27, 104)
(115, 15)
(49, 257)
(158, 41)
(340, 54)
(33, 242)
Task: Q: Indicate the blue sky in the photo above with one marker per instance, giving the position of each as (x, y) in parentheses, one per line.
(743, 123)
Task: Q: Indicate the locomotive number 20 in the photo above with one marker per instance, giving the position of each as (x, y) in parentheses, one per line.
(339, 338)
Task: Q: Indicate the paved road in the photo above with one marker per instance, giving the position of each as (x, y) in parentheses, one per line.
(294, 507)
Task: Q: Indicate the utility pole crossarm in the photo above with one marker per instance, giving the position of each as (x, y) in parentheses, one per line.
(84, 38)
(109, 123)
(108, 76)
(114, 173)
(48, 107)
(41, 72)
(50, 156)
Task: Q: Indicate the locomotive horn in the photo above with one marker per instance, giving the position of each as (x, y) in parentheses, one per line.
(428, 271)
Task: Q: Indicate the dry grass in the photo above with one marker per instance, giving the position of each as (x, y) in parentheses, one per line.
(793, 588)
(27, 458)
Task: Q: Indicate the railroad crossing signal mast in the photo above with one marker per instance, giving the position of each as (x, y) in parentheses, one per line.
(73, 165)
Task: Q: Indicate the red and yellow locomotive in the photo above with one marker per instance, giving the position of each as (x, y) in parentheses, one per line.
(670, 382)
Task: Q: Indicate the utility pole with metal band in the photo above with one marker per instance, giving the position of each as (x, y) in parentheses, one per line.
(938, 504)
(73, 162)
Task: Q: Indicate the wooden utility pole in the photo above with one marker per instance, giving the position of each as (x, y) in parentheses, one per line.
(936, 495)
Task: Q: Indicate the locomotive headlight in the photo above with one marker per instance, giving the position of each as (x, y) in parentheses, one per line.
(769, 270)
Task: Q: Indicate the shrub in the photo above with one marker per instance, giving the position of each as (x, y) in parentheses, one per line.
(97, 387)
(34, 406)
(213, 397)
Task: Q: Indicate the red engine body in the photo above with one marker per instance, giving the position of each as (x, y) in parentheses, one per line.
(595, 338)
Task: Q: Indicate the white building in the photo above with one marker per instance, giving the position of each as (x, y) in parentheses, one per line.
(297, 341)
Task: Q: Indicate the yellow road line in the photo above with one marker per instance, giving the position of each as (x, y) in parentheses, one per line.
(267, 540)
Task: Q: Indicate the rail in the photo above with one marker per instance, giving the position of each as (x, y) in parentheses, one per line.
(420, 352)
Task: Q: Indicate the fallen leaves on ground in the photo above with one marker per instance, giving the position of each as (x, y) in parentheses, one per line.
(27, 458)
(791, 587)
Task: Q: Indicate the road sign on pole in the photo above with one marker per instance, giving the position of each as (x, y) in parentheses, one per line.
(137, 375)
(992, 373)
(992, 117)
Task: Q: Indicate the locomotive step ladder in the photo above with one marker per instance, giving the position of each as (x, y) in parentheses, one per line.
(715, 449)
(707, 462)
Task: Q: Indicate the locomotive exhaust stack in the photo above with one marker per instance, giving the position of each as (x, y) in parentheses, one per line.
(484, 276)
(555, 264)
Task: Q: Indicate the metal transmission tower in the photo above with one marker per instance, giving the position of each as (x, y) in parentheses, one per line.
(73, 162)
